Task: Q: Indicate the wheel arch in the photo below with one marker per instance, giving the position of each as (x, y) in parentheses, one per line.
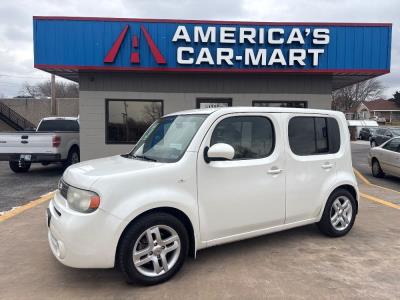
(348, 186)
(351, 190)
(180, 215)
(75, 146)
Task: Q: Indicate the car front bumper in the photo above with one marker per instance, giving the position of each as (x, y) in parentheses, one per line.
(82, 240)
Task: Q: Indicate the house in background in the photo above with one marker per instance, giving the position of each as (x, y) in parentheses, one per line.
(385, 111)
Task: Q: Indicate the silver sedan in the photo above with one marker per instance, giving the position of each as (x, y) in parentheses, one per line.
(385, 159)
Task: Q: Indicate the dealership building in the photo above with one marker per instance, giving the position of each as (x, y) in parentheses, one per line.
(132, 71)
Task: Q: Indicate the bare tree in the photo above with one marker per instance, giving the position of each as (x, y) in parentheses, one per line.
(345, 98)
(43, 89)
(152, 112)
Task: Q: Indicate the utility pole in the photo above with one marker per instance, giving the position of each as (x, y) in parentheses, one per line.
(53, 95)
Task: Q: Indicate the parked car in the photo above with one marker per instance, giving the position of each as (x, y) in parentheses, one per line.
(385, 159)
(383, 134)
(366, 133)
(201, 178)
(56, 139)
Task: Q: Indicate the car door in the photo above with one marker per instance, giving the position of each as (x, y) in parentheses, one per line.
(380, 136)
(240, 196)
(390, 157)
(313, 153)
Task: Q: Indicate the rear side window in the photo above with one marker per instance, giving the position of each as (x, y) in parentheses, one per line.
(251, 136)
(58, 125)
(314, 135)
(393, 145)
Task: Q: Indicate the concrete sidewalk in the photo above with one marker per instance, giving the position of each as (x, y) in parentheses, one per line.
(299, 263)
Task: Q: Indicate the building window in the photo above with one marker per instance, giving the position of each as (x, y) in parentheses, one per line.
(297, 104)
(314, 135)
(127, 120)
(251, 136)
(213, 102)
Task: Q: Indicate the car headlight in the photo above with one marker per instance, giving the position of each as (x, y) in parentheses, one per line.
(82, 201)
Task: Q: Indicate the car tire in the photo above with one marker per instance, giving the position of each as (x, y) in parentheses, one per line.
(18, 167)
(339, 214)
(376, 169)
(373, 144)
(155, 260)
(73, 157)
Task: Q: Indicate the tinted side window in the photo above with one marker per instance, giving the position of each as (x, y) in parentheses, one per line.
(380, 131)
(314, 135)
(393, 145)
(251, 137)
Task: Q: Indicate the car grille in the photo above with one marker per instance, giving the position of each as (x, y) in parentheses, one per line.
(63, 187)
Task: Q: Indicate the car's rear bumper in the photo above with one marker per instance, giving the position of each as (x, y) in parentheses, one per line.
(34, 157)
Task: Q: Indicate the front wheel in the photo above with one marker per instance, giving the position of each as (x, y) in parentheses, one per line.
(19, 166)
(339, 214)
(153, 249)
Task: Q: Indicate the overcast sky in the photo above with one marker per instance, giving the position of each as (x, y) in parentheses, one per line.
(16, 53)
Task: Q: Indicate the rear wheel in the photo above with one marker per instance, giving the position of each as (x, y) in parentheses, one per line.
(19, 166)
(376, 169)
(339, 214)
(73, 157)
(153, 249)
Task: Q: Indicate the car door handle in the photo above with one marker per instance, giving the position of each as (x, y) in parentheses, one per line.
(327, 166)
(274, 171)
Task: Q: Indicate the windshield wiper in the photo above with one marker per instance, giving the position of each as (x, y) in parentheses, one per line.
(144, 157)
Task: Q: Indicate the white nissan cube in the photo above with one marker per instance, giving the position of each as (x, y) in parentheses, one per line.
(202, 178)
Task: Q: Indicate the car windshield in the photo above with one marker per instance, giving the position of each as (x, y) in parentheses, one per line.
(167, 139)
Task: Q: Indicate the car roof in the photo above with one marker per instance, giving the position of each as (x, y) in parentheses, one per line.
(60, 118)
(250, 109)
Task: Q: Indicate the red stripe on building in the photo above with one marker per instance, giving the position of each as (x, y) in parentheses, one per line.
(112, 53)
(153, 48)
(135, 42)
(135, 58)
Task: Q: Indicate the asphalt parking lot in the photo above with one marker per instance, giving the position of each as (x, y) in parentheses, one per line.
(18, 189)
(296, 264)
(359, 151)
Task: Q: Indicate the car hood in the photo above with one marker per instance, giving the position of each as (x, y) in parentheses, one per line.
(85, 174)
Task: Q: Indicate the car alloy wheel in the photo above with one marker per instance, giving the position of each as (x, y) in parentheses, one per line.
(373, 144)
(156, 250)
(341, 213)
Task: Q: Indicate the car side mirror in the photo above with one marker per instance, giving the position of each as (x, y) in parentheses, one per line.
(219, 151)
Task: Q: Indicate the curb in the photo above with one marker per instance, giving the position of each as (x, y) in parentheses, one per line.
(20, 209)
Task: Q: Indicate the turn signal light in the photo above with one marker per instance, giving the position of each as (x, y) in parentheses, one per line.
(94, 202)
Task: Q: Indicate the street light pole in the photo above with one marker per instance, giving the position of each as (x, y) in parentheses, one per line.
(53, 95)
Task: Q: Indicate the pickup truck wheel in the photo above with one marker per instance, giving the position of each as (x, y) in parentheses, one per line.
(18, 167)
(152, 249)
(339, 214)
(73, 157)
